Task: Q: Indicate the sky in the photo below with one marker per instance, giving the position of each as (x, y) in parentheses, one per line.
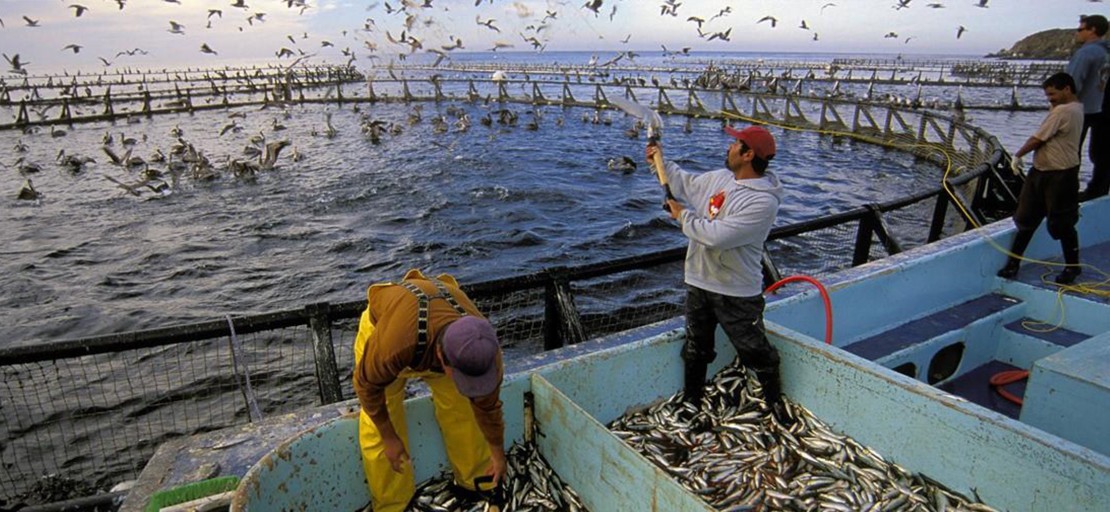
(324, 29)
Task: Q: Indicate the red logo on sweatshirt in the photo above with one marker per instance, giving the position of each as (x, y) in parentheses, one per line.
(715, 204)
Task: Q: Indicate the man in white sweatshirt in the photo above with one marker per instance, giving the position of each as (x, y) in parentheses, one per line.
(727, 215)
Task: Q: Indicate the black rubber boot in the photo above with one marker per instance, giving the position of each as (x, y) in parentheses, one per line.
(772, 395)
(694, 377)
(692, 392)
(1070, 245)
(1021, 242)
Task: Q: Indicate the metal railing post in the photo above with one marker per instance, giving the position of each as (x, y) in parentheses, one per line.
(562, 325)
(327, 371)
(862, 248)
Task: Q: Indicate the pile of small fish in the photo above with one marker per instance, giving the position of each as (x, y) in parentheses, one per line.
(736, 455)
(529, 485)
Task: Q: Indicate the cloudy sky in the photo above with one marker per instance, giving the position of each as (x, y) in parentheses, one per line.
(324, 29)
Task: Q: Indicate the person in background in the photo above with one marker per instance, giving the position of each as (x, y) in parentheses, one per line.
(429, 329)
(727, 215)
(1088, 66)
(1052, 186)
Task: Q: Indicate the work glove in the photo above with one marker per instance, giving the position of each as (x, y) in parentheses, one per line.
(1017, 166)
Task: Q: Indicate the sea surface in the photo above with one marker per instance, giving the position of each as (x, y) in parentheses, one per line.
(489, 202)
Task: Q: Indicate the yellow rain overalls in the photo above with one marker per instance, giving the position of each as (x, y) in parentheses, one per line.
(467, 448)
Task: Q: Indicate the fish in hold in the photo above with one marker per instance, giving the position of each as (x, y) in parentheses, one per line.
(529, 484)
(732, 452)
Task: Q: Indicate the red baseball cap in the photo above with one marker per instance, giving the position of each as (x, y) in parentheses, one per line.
(757, 138)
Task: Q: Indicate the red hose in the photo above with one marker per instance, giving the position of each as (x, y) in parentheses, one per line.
(824, 297)
(1008, 377)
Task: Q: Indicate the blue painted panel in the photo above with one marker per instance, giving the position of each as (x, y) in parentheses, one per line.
(318, 470)
(608, 384)
(607, 473)
(931, 326)
(1013, 466)
(321, 469)
(1069, 394)
(1061, 336)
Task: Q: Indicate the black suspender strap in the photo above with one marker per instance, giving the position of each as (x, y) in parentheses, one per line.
(422, 315)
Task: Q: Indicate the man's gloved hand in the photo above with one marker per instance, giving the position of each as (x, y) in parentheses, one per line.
(1017, 166)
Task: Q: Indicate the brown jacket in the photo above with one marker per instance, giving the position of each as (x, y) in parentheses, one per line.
(389, 347)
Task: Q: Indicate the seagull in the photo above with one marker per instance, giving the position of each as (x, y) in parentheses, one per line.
(31, 22)
(723, 36)
(75, 47)
(697, 20)
(803, 26)
(981, 3)
(175, 28)
(593, 5)
(722, 12)
(440, 55)
(488, 23)
(17, 66)
(830, 4)
(105, 61)
(215, 12)
(204, 48)
(907, 41)
(78, 10)
(935, 5)
(960, 31)
(891, 35)
(774, 21)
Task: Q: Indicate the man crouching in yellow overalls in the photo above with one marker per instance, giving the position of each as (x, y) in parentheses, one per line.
(427, 328)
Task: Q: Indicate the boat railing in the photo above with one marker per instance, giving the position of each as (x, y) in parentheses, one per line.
(91, 411)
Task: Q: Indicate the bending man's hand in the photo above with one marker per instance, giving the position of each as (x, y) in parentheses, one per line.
(1017, 166)
(651, 150)
(395, 452)
(497, 464)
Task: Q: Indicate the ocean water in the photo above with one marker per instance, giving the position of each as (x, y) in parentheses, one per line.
(487, 203)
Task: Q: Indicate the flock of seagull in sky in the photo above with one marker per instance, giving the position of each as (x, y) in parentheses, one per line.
(412, 27)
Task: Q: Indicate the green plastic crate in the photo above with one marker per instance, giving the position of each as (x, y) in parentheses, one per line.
(190, 492)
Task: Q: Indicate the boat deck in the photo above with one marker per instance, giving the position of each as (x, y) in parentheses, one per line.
(940, 315)
(1041, 276)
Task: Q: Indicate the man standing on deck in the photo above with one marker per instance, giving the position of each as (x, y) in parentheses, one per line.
(427, 328)
(1052, 186)
(1086, 67)
(727, 215)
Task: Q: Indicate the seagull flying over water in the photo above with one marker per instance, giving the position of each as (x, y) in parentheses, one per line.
(774, 21)
(78, 10)
(204, 48)
(960, 31)
(17, 66)
(175, 28)
(31, 22)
